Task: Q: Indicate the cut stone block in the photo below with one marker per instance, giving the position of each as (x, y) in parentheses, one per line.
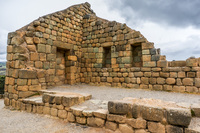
(70, 117)
(69, 100)
(196, 109)
(173, 129)
(124, 128)
(156, 127)
(95, 122)
(27, 74)
(119, 107)
(179, 116)
(111, 125)
(148, 112)
(137, 123)
(62, 114)
(101, 113)
(116, 118)
(81, 120)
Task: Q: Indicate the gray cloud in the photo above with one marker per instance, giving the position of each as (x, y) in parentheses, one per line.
(171, 12)
(182, 50)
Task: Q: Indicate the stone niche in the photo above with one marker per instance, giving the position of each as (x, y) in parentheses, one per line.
(107, 57)
(136, 50)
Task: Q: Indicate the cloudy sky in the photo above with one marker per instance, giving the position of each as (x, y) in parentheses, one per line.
(173, 25)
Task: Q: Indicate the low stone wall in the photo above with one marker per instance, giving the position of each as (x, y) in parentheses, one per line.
(128, 115)
(177, 79)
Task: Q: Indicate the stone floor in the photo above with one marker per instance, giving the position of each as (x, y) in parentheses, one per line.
(112, 93)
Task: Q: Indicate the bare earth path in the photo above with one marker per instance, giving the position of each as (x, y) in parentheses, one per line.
(12, 121)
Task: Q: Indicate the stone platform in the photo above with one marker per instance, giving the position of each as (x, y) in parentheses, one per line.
(139, 115)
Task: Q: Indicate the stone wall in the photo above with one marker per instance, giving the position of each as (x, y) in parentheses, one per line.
(45, 53)
(75, 46)
(134, 62)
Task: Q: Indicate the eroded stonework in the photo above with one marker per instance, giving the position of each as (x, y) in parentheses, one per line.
(75, 46)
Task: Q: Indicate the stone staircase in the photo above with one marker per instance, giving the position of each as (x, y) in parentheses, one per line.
(127, 115)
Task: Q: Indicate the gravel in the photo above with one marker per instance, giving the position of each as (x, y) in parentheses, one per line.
(113, 93)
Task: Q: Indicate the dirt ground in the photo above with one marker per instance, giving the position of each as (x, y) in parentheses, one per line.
(12, 121)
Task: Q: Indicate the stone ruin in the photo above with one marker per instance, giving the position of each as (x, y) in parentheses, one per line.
(75, 46)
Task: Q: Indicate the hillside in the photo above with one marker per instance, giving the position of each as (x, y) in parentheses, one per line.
(2, 68)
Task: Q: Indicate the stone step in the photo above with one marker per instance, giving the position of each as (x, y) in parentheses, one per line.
(35, 100)
(67, 99)
(194, 126)
(91, 107)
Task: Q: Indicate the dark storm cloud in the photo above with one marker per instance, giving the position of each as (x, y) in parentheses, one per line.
(171, 12)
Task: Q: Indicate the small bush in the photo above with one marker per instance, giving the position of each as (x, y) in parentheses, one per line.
(2, 81)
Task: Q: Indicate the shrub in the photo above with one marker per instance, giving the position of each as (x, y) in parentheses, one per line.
(2, 81)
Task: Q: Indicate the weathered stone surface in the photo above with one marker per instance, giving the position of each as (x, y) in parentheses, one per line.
(95, 122)
(179, 116)
(136, 123)
(69, 100)
(72, 58)
(148, 112)
(29, 40)
(170, 81)
(116, 118)
(46, 110)
(196, 109)
(119, 107)
(54, 112)
(162, 63)
(140, 131)
(173, 129)
(107, 44)
(35, 87)
(101, 113)
(17, 40)
(156, 127)
(70, 117)
(191, 62)
(188, 81)
(39, 109)
(19, 49)
(111, 125)
(81, 120)
(26, 94)
(60, 44)
(41, 48)
(197, 82)
(124, 128)
(27, 74)
(45, 98)
(62, 114)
